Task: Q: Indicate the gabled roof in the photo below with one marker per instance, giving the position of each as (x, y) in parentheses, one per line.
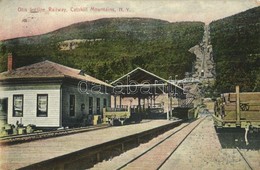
(48, 69)
(139, 75)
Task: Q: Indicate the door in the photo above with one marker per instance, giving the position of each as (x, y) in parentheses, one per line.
(3, 111)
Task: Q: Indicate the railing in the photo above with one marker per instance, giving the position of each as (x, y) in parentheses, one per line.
(186, 103)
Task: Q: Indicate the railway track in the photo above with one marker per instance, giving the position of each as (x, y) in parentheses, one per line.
(244, 158)
(13, 139)
(157, 155)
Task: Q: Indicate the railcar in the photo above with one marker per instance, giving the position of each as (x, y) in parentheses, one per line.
(238, 110)
(120, 116)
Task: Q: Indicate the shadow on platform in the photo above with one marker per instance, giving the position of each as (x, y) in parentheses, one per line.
(232, 138)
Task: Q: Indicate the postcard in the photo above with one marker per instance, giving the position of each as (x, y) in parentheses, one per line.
(129, 84)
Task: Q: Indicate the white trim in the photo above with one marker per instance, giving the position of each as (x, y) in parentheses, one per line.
(142, 85)
(125, 75)
(147, 85)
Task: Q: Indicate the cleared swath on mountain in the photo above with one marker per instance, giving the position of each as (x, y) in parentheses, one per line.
(123, 44)
(236, 49)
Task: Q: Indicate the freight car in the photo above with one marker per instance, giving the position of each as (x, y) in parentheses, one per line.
(120, 116)
(238, 110)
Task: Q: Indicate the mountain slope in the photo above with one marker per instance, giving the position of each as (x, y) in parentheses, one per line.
(110, 47)
(236, 51)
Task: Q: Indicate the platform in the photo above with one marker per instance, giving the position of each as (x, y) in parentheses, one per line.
(25, 154)
(203, 149)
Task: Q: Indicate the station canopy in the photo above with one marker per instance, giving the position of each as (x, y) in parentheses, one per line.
(141, 83)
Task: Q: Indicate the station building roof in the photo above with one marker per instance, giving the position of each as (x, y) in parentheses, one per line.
(47, 69)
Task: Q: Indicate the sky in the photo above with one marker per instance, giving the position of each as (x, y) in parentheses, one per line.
(19, 18)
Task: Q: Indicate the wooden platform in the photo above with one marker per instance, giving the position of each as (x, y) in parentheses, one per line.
(25, 154)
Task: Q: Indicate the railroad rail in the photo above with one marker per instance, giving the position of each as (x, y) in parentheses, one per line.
(13, 139)
(88, 157)
(244, 158)
(161, 151)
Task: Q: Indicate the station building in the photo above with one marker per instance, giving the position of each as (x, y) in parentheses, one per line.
(48, 94)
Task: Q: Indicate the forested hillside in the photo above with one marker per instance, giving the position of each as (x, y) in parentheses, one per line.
(236, 49)
(109, 48)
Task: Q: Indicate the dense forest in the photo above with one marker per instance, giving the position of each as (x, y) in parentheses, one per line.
(236, 51)
(110, 47)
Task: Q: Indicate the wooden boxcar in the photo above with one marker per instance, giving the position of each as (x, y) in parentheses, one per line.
(238, 110)
(120, 116)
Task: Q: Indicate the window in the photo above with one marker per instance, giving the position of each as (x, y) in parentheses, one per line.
(42, 105)
(98, 106)
(18, 106)
(72, 105)
(3, 106)
(90, 110)
(105, 103)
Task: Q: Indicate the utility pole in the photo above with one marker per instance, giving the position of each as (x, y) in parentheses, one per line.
(175, 81)
(169, 106)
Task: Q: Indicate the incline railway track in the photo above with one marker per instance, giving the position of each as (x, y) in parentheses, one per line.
(157, 155)
(13, 139)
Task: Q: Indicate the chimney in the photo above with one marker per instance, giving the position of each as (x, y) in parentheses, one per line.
(10, 62)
